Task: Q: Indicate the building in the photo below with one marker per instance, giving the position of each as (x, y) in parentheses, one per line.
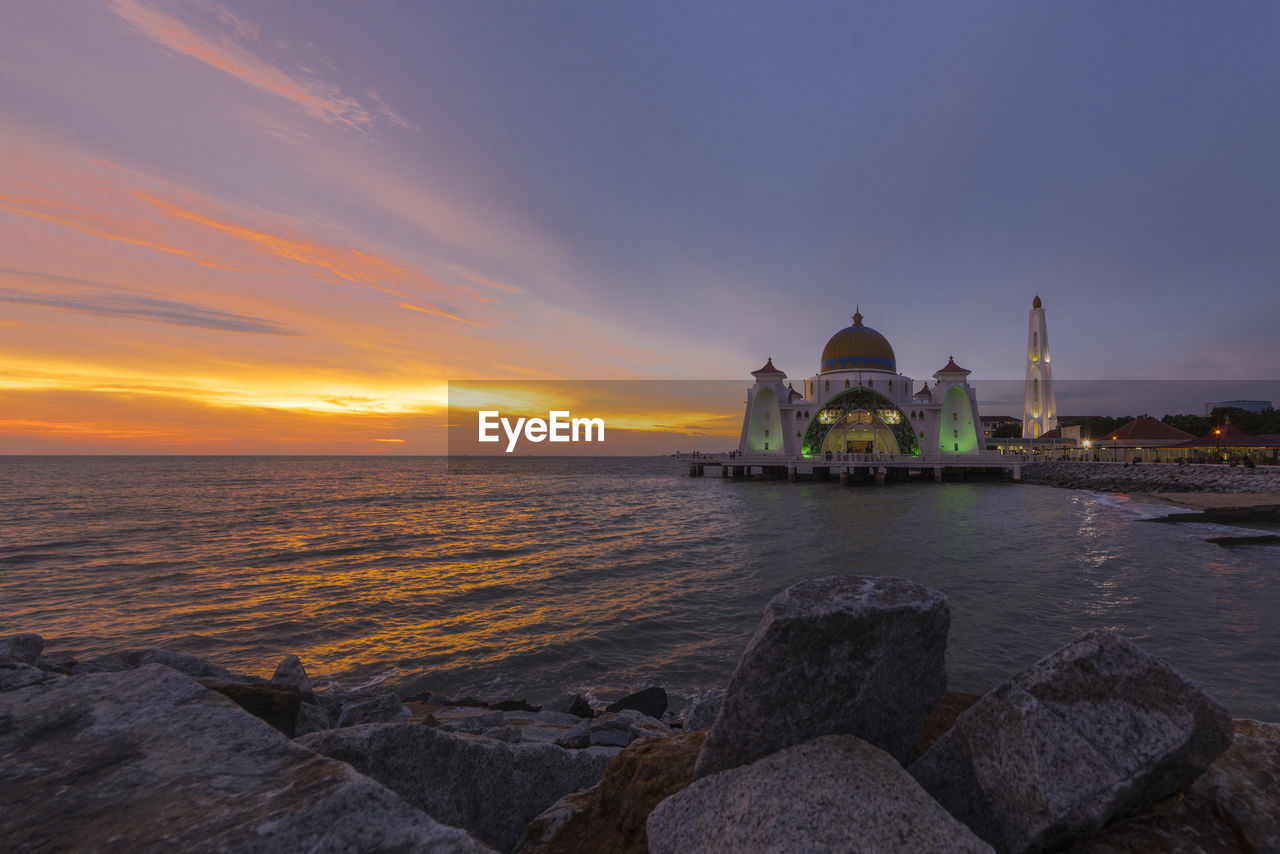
(1039, 408)
(859, 403)
(1247, 405)
(991, 423)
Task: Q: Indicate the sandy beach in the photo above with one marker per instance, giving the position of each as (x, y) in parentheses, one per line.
(1217, 500)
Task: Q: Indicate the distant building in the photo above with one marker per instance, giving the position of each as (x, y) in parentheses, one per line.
(1039, 408)
(1143, 433)
(991, 422)
(1247, 405)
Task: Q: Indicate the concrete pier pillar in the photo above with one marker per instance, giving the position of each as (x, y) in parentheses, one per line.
(700, 472)
(791, 474)
(724, 471)
(844, 478)
(693, 469)
(937, 473)
(880, 473)
(1017, 472)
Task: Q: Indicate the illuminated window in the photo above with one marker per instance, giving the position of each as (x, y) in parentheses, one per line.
(846, 383)
(871, 383)
(766, 432)
(953, 416)
(955, 447)
(826, 385)
(955, 434)
(828, 416)
(890, 416)
(798, 416)
(797, 434)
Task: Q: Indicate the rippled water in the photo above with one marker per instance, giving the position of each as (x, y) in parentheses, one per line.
(532, 577)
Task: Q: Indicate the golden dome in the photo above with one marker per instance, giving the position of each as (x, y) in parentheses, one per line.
(1035, 303)
(858, 347)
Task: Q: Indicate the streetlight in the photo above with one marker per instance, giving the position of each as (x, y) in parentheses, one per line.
(1217, 443)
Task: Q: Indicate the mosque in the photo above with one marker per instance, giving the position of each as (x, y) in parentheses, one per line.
(858, 403)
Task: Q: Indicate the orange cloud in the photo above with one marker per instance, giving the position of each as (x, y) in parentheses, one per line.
(227, 51)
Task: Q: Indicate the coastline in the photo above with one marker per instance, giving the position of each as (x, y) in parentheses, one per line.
(1193, 487)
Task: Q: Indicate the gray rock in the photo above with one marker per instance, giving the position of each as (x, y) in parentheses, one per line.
(835, 793)
(651, 701)
(312, 717)
(491, 788)
(701, 713)
(14, 676)
(379, 708)
(846, 654)
(291, 674)
(1097, 730)
(613, 729)
(574, 704)
(149, 760)
(129, 659)
(21, 649)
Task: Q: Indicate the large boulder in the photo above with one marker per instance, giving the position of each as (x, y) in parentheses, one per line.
(372, 708)
(835, 793)
(1234, 806)
(21, 649)
(846, 654)
(1098, 729)
(148, 760)
(492, 788)
(277, 705)
(611, 815)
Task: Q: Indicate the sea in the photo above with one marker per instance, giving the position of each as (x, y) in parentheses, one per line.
(531, 578)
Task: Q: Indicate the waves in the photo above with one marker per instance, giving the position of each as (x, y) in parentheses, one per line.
(536, 579)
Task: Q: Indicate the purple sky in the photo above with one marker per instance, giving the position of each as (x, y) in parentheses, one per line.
(285, 225)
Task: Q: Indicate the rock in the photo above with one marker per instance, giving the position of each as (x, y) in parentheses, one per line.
(701, 713)
(291, 674)
(21, 649)
(611, 815)
(849, 654)
(491, 788)
(1234, 806)
(507, 726)
(613, 729)
(514, 706)
(312, 717)
(129, 659)
(274, 704)
(574, 704)
(148, 760)
(15, 676)
(651, 701)
(942, 718)
(381, 708)
(835, 793)
(1099, 729)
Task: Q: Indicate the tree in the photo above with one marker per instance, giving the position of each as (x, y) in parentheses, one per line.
(1011, 430)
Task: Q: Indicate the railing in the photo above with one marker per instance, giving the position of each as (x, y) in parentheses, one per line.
(989, 458)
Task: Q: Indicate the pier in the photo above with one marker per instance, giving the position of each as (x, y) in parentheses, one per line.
(858, 468)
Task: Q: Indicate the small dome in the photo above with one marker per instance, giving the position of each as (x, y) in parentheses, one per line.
(858, 347)
(1035, 303)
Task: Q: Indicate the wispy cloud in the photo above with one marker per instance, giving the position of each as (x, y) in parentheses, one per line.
(133, 306)
(436, 310)
(228, 44)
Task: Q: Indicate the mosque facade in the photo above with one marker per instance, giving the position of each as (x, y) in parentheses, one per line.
(858, 403)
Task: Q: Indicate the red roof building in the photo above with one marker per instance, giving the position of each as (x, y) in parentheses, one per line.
(1144, 433)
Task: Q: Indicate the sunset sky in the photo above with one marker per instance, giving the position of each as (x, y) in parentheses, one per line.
(236, 227)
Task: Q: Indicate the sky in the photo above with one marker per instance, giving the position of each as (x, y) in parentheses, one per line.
(238, 227)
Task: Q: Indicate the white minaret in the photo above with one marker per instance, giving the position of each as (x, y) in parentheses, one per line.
(1039, 409)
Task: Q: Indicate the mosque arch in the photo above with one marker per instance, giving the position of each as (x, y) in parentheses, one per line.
(880, 418)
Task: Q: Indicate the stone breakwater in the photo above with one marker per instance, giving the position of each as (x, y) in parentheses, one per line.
(835, 733)
(1153, 477)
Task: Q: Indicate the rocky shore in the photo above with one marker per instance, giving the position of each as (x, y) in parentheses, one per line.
(1156, 477)
(835, 733)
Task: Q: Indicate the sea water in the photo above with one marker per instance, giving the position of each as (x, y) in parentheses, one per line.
(530, 578)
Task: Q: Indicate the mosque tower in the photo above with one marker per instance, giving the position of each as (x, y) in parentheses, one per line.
(1039, 409)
